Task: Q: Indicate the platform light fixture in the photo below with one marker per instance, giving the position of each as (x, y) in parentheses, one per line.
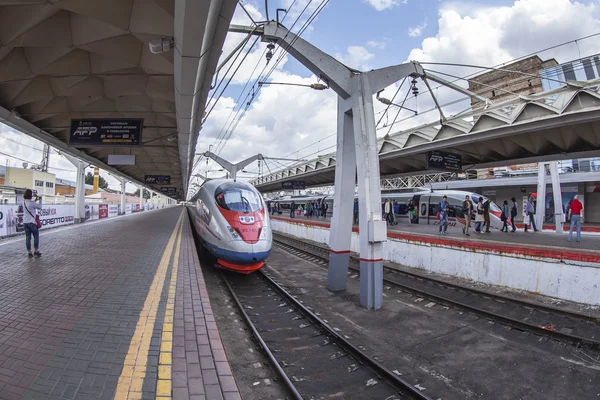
(161, 45)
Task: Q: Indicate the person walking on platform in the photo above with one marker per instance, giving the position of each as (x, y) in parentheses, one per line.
(530, 210)
(324, 208)
(513, 215)
(467, 210)
(30, 222)
(444, 206)
(576, 214)
(293, 209)
(486, 215)
(355, 212)
(395, 211)
(479, 216)
(504, 217)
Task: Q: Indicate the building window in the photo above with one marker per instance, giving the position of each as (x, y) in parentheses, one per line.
(49, 184)
(39, 183)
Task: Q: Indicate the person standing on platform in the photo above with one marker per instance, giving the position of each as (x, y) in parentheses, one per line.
(387, 211)
(479, 216)
(504, 217)
(576, 214)
(409, 213)
(444, 206)
(293, 209)
(467, 210)
(513, 215)
(30, 222)
(530, 211)
(355, 212)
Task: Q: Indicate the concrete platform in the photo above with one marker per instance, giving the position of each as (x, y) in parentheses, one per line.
(540, 263)
(117, 309)
(550, 244)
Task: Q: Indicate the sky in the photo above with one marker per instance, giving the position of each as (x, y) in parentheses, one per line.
(298, 122)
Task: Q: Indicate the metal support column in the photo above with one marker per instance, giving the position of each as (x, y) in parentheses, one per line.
(559, 215)
(373, 230)
(123, 198)
(340, 235)
(80, 193)
(540, 210)
(141, 198)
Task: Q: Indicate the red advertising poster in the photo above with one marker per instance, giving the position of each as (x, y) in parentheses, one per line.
(103, 211)
(137, 207)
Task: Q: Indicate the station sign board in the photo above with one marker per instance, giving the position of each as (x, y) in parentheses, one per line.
(169, 189)
(444, 161)
(157, 179)
(94, 132)
(293, 185)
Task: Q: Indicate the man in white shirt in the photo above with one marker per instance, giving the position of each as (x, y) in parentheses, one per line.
(30, 208)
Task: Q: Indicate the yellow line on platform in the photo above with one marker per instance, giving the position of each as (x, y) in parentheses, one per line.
(164, 383)
(134, 368)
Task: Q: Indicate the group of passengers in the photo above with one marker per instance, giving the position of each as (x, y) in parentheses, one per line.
(314, 209)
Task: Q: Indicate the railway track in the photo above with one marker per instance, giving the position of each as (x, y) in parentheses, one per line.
(577, 329)
(312, 359)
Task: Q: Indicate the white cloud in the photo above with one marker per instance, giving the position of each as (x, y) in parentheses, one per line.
(376, 44)
(417, 30)
(381, 5)
(356, 57)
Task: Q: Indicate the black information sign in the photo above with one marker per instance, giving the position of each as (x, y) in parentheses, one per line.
(444, 161)
(106, 132)
(169, 189)
(293, 185)
(157, 179)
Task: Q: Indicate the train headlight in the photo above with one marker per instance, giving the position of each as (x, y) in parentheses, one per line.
(232, 232)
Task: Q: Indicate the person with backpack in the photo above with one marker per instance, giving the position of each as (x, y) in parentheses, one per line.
(479, 219)
(444, 207)
(31, 222)
(293, 209)
(486, 215)
(467, 210)
(504, 217)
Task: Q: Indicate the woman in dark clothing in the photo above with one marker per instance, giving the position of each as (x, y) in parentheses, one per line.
(513, 214)
(505, 216)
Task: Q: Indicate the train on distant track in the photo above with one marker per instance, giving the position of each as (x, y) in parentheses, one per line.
(427, 200)
(233, 225)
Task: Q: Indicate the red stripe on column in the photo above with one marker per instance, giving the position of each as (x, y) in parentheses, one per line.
(371, 260)
(339, 252)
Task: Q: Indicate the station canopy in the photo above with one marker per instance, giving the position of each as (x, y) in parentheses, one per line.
(62, 60)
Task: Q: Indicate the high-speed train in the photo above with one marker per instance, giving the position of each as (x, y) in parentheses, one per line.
(428, 205)
(233, 225)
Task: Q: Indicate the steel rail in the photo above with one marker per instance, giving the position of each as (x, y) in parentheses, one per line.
(515, 323)
(258, 337)
(392, 378)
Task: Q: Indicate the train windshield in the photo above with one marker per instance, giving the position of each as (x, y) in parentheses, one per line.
(233, 197)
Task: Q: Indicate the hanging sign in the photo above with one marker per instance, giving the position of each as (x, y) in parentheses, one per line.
(157, 179)
(94, 132)
(444, 161)
(169, 189)
(293, 185)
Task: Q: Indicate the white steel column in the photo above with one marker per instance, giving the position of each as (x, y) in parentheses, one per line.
(80, 193)
(373, 230)
(340, 235)
(141, 198)
(559, 216)
(122, 197)
(541, 196)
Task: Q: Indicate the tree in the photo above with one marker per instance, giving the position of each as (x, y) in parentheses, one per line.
(146, 193)
(89, 180)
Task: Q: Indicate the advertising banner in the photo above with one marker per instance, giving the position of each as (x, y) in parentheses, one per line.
(128, 209)
(91, 212)
(102, 211)
(11, 221)
(102, 132)
(444, 161)
(293, 185)
(113, 210)
(55, 215)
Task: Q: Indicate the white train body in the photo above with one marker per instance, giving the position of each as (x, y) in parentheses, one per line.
(426, 202)
(233, 224)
